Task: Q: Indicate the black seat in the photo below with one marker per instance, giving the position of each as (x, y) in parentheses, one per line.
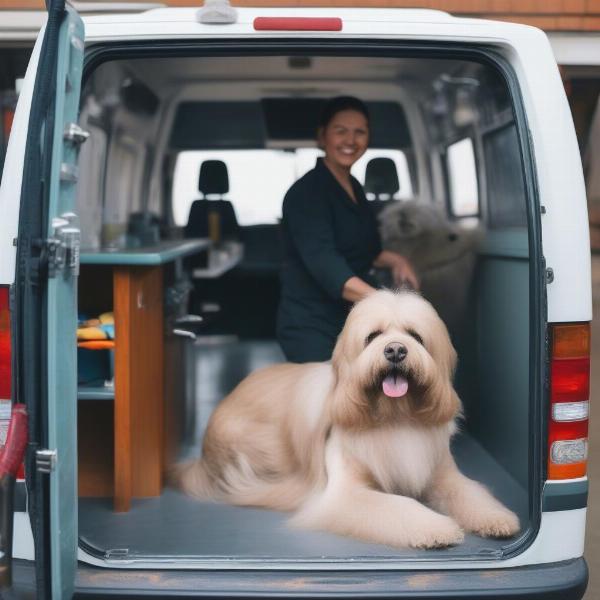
(213, 181)
(263, 250)
(381, 181)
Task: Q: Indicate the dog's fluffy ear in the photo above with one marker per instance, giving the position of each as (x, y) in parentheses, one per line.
(348, 406)
(442, 403)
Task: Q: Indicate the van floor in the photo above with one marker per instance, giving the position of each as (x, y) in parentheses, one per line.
(174, 526)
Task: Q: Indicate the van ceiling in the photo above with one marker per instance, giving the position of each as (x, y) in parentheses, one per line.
(280, 75)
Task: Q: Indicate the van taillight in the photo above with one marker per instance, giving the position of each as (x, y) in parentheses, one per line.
(569, 401)
(5, 370)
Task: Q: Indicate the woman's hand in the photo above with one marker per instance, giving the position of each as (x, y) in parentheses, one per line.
(403, 273)
(356, 289)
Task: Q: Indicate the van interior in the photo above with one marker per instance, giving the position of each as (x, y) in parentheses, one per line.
(180, 188)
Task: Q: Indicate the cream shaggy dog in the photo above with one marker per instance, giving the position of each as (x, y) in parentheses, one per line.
(358, 446)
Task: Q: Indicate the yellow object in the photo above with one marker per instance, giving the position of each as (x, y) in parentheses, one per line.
(107, 318)
(91, 333)
(214, 226)
(91, 323)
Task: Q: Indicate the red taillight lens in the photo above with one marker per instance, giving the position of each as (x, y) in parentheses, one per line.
(297, 24)
(570, 379)
(5, 354)
(569, 399)
(5, 372)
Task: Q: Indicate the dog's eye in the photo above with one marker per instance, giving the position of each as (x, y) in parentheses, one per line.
(371, 337)
(416, 336)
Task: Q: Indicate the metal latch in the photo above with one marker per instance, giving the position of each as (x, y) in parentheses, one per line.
(75, 134)
(64, 246)
(45, 461)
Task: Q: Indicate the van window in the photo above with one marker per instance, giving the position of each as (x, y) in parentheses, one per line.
(259, 179)
(462, 178)
(505, 185)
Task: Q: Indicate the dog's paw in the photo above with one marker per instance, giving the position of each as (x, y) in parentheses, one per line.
(498, 523)
(439, 532)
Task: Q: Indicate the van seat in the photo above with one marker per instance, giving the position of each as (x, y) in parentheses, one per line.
(212, 181)
(381, 181)
(263, 251)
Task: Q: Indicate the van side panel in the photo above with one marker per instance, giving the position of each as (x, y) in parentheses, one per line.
(565, 233)
(10, 188)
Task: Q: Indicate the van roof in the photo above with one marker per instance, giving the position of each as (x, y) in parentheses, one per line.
(373, 22)
(247, 14)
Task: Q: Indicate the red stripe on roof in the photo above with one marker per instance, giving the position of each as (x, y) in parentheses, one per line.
(297, 24)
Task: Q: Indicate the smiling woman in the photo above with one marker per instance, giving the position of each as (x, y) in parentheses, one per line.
(331, 240)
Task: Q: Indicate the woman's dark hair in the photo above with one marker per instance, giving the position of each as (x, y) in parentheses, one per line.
(338, 104)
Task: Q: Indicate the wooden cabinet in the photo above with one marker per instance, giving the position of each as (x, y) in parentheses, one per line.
(126, 441)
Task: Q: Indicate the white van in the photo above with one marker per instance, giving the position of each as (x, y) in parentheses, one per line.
(117, 118)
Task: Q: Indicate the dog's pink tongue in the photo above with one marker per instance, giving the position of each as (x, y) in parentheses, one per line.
(395, 386)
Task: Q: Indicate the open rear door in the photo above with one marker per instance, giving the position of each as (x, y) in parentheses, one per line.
(46, 300)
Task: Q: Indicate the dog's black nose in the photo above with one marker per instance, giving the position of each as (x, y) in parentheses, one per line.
(395, 352)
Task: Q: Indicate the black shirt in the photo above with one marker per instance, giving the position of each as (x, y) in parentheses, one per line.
(327, 239)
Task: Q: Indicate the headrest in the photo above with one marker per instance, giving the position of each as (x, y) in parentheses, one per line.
(213, 178)
(381, 177)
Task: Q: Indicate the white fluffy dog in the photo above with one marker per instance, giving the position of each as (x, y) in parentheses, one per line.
(442, 253)
(358, 446)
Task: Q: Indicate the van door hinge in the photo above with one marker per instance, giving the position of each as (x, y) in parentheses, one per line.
(45, 461)
(69, 173)
(549, 275)
(63, 248)
(75, 134)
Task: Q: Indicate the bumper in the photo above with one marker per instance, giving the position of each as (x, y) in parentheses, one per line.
(555, 581)
(560, 581)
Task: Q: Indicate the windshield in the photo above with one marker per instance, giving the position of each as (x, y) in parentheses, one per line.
(259, 179)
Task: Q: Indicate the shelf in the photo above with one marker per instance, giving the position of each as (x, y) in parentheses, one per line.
(163, 252)
(95, 392)
(217, 268)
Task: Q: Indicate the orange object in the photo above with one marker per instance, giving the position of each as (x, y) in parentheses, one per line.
(571, 341)
(97, 344)
(572, 471)
(7, 119)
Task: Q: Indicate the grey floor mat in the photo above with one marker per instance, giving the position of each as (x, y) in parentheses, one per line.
(174, 525)
(220, 365)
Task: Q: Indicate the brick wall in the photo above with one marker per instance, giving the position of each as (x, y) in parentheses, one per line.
(551, 15)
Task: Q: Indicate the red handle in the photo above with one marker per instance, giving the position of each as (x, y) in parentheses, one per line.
(16, 441)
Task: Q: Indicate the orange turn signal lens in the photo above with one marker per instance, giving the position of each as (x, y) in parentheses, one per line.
(571, 340)
(572, 471)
